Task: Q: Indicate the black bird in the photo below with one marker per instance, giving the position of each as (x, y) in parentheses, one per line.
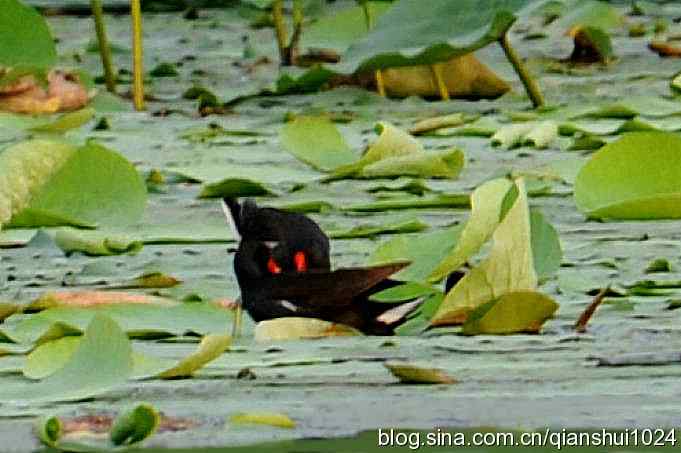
(283, 269)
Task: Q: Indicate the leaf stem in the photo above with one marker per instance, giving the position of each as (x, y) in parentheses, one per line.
(103, 43)
(368, 18)
(280, 28)
(137, 55)
(531, 86)
(440, 81)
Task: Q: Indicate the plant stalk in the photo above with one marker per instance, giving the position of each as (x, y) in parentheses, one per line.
(280, 29)
(531, 86)
(380, 85)
(440, 81)
(137, 55)
(104, 49)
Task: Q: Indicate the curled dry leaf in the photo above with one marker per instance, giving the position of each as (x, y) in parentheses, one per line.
(464, 76)
(665, 49)
(64, 93)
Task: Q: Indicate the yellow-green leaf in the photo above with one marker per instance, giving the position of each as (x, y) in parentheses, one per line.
(300, 328)
(485, 216)
(513, 312)
(412, 374)
(211, 347)
(263, 418)
(509, 267)
(635, 177)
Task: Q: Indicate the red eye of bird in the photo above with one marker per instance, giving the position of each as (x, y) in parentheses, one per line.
(300, 260)
(273, 267)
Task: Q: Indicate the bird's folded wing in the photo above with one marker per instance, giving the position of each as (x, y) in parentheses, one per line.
(332, 288)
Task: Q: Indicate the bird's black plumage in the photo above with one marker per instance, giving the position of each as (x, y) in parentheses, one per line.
(283, 269)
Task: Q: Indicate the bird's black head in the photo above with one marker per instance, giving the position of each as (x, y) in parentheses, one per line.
(273, 242)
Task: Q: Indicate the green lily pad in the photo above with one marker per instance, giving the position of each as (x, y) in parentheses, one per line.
(30, 44)
(317, 142)
(409, 34)
(136, 320)
(95, 243)
(85, 374)
(45, 183)
(513, 312)
(66, 121)
(409, 290)
(604, 188)
(589, 13)
(49, 357)
(368, 231)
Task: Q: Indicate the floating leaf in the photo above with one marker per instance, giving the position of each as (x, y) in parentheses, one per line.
(592, 45)
(95, 243)
(85, 374)
(438, 122)
(676, 83)
(412, 374)
(138, 320)
(368, 231)
(300, 328)
(135, 425)
(441, 201)
(589, 13)
(45, 183)
(317, 142)
(263, 418)
(542, 135)
(509, 266)
(89, 298)
(513, 312)
(604, 188)
(66, 121)
(397, 153)
(511, 135)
